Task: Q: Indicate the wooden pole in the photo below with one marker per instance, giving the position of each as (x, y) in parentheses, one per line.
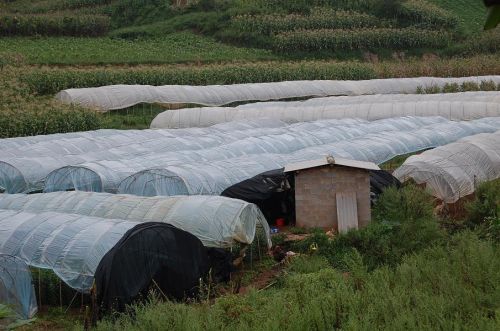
(39, 289)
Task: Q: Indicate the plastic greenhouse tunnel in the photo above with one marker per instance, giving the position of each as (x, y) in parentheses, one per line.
(453, 106)
(123, 257)
(111, 97)
(23, 169)
(213, 178)
(107, 175)
(453, 171)
(16, 287)
(215, 221)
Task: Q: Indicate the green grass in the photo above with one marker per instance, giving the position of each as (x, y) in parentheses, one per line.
(182, 47)
(471, 13)
(138, 117)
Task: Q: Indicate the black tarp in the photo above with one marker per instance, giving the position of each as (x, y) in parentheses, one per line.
(380, 179)
(271, 191)
(151, 255)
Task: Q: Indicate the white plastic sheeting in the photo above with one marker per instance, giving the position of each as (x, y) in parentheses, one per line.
(106, 175)
(123, 96)
(16, 289)
(455, 170)
(70, 245)
(216, 221)
(215, 177)
(453, 106)
(103, 140)
(24, 169)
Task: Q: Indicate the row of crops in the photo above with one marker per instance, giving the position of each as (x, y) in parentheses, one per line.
(22, 114)
(50, 25)
(409, 24)
(392, 38)
(51, 81)
(56, 18)
(42, 7)
(320, 18)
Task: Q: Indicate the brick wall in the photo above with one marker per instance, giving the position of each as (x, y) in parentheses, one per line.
(315, 191)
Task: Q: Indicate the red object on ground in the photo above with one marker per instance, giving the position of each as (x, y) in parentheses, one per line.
(280, 222)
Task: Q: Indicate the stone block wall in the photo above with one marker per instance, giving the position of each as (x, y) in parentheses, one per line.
(315, 195)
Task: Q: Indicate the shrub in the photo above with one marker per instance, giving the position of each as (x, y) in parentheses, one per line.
(397, 205)
(486, 203)
(54, 25)
(336, 40)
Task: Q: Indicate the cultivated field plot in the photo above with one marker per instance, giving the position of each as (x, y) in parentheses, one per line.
(249, 165)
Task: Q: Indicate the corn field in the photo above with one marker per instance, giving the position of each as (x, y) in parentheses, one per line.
(43, 81)
(320, 18)
(340, 39)
(425, 14)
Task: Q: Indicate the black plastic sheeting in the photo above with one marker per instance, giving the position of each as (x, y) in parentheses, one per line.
(221, 264)
(271, 191)
(151, 255)
(381, 179)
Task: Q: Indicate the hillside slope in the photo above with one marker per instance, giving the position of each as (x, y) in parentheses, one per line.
(293, 29)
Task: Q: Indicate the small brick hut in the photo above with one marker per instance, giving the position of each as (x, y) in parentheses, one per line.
(332, 193)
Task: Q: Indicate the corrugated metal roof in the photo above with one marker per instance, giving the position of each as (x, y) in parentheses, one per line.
(329, 160)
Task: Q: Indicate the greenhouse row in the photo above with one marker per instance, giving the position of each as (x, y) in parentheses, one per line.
(215, 177)
(455, 170)
(230, 163)
(122, 96)
(100, 140)
(120, 257)
(104, 170)
(24, 168)
(106, 175)
(215, 221)
(453, 106)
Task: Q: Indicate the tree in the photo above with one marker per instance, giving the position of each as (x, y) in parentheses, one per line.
(494, 14)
